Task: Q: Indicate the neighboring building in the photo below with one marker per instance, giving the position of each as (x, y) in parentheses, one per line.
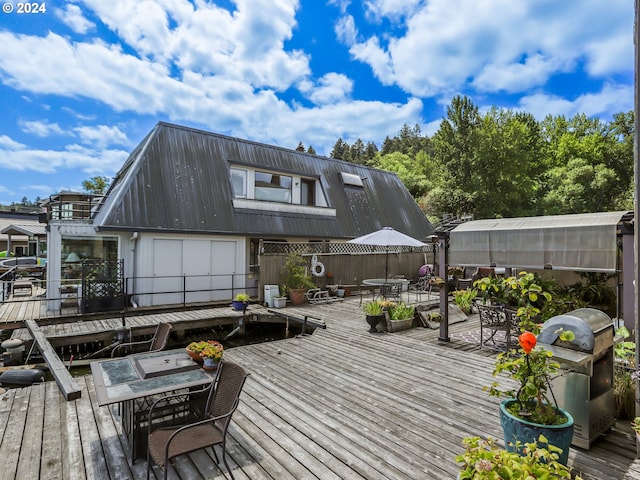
(188, 210)
(21, 234)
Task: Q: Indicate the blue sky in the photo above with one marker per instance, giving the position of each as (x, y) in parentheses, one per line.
(84, 81)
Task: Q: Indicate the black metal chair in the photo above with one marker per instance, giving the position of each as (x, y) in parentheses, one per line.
(207, 430)
(497, 319)
(156, 344)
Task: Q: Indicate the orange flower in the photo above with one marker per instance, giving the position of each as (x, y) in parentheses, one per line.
(527, 341)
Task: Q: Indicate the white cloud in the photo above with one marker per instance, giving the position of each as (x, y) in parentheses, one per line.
(611, 99)
(332, 88)
(393, 9)
(346, 30)
(102, 136)
(72, 16)
(497, 44)
(18, 157)
(40, 128)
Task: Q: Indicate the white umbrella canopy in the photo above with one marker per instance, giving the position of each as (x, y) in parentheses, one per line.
(387, 237)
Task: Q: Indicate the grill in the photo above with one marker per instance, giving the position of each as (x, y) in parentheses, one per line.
(585, 386)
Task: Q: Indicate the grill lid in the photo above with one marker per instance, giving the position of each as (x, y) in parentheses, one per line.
(585, 323)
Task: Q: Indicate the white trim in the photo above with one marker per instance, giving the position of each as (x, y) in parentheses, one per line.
(242, 203)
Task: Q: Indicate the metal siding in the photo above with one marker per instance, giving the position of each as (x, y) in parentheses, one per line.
(180, 182)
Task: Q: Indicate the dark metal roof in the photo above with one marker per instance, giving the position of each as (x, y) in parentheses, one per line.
(177, 180)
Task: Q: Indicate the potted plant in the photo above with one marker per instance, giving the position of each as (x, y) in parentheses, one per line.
(399, 316)
(280, 301)
(529, 410)
(464, 299)
(296, 278)
(484, 459)
(635, 425)
(240, 302)
(374, 314)
(211, 354)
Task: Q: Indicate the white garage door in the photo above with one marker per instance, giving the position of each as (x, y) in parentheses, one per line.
(194, 270)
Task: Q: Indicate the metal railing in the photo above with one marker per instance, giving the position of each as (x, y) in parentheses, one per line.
(153, 291)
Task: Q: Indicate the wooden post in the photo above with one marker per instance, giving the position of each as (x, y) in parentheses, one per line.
(65, 381)
(443, 247)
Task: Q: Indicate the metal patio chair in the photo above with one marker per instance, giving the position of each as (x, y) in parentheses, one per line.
(207, 430)
(156, 344)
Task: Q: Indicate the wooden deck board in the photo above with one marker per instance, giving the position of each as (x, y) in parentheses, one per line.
(340, 403)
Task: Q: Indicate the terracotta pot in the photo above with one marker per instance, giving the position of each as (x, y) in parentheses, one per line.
(296, 295)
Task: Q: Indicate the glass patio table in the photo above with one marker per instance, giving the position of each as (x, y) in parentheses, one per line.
(128, 381)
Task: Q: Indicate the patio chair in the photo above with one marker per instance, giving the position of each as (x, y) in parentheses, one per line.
(497, 319)
(156, 344)
(391, 291)
(209, 430)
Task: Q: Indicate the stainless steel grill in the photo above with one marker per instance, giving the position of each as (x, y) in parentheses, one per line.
(585, 387)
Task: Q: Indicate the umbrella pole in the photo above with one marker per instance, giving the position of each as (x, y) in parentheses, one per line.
(386, 266)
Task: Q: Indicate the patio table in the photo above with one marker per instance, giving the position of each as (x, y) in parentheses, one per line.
(127, 380)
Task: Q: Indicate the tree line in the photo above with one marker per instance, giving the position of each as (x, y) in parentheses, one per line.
(505, 163)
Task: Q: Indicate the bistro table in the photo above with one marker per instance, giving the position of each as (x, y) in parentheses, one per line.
(388, 286)
(128, 380)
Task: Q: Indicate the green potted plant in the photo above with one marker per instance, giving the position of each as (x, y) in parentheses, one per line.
(399, 316)
(374, 314)
(280, 300)
(240, 301)
(529, 409)
(484, 459)
(296, 278)
(464, 299)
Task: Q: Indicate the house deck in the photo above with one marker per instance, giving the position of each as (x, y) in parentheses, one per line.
(340, 403)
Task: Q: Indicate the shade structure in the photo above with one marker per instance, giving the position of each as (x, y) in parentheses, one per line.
(387, 237)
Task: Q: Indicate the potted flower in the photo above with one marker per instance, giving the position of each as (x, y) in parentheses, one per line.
(211, 354)
(194, 350)
(240, 302)
(484, 459)
(399, 316)
(296, 278)
(529, 409)
(374, 314)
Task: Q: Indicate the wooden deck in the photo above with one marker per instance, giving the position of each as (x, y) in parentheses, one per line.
(338, 404)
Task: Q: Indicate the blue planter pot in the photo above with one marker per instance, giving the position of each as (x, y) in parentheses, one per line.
(515, 429)
(239, 305)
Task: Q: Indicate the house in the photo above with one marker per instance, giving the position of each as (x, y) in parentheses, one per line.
(183, 218)
(21, 235)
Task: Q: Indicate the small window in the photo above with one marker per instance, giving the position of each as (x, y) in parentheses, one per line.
(273, 187)
(239, 183)
(307, 192)
(351, 179)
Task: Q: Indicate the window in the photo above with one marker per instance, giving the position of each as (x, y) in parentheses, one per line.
(273, 187)
(239, 183)
(307, 192)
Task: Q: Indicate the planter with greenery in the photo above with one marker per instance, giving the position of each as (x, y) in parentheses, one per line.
(484, 459)
(399, 316)
(296, 277)
(240, 302)
(374, 314)
(464, 299)
(529, 408)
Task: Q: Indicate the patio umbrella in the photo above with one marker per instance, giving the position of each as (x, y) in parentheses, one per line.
(387, 237)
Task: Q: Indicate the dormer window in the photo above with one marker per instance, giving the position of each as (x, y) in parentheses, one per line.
(273, 187)
(262, 189)
(239, 182)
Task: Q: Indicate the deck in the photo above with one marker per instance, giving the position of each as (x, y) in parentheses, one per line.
(340, 403)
